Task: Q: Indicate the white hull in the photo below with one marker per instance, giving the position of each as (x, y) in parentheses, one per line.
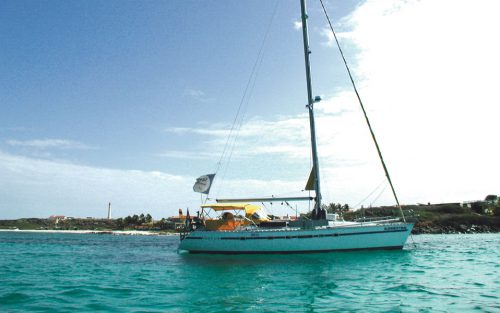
(339, 237)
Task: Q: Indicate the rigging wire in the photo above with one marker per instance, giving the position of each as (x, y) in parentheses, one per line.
(364, 112)
(371, 193)
(378, 195)
(243, 105)
(295, 210)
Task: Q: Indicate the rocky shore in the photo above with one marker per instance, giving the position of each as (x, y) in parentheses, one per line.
(438, 219)
(457, 226)
(429, 228)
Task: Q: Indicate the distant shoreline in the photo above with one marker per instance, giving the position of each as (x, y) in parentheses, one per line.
(98, 232)
(150, 233)
(447, 218)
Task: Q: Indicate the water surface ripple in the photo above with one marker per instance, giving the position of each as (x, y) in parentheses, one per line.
(82, 272)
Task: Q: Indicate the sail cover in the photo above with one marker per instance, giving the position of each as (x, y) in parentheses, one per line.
(311, 185)
(203, 183)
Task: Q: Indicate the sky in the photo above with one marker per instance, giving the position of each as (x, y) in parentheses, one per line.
(129, 102)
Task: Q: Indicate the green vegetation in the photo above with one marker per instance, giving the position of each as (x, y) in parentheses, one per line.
(441, 218)
(63, 224)
(144, 222)
(478, 216)
(135, 222)
(25, 223)
(336, 208)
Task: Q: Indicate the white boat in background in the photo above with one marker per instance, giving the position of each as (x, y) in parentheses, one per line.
(234, 226)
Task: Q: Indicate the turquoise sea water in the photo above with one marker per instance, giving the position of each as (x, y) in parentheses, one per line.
(83, 272)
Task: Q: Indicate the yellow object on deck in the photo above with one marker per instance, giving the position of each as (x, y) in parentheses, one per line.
(222, 225)
(249, 208)
(228, 221)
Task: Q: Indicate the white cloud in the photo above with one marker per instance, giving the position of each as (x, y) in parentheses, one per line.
(191, 155)
(215, 132)
(330, 39)
(198, 95)
(194, 93)
(427, 75)
(38, 188)
(49, 144)
(297, 25)
(33, 187)
(427, 72)
(287, 136)
(326, 32)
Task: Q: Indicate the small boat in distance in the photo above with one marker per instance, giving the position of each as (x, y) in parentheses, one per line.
(234, 226)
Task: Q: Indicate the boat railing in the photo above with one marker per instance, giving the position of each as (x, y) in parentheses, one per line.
(377, 219)
(183, 232)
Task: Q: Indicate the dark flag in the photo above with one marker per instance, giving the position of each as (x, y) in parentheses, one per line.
(203, 183)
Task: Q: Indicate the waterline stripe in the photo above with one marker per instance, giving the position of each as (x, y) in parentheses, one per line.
(294, 252)
(299, 236)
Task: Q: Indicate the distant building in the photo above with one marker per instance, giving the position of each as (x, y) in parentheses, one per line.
(180, 220)
(57, 217)
(472, 204)
(109, 210)
(446, 203)
(491, 198)
(482, 206)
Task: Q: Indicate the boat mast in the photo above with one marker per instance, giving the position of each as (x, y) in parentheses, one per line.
(310, 105)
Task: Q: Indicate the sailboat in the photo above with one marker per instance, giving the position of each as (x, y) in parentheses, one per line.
(245, 228)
